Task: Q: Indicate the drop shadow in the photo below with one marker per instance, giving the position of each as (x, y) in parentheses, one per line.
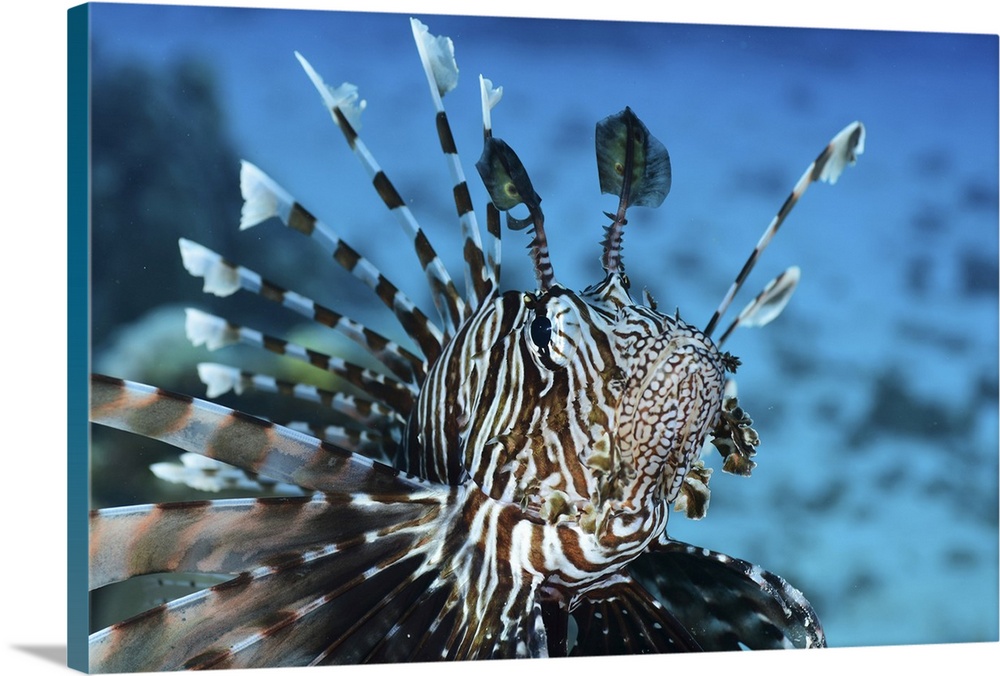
(49, 653)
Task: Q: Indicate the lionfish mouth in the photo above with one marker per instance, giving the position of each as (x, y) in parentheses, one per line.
(390, 551)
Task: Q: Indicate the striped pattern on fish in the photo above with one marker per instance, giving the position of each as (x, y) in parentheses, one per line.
(538, 444)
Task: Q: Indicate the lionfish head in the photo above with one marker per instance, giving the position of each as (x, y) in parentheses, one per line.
(634, 392)
(616, 399)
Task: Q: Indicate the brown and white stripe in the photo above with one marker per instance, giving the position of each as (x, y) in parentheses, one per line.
(215, 333)
(539, 443)
(223, 278)
(842, 150)
(437, 54)
(264, 198)
(450, 305)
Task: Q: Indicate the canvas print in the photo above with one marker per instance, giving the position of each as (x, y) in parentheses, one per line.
(420, 338)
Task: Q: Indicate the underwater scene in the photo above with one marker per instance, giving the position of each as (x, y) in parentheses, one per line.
(875, 393)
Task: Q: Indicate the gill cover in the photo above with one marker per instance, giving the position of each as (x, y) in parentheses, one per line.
(671, 402)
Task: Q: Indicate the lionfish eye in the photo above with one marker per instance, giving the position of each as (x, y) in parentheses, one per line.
(555, 330)
(541, 332)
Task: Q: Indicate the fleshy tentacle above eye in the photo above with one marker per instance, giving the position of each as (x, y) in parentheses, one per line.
(633, 164)
(509, 186)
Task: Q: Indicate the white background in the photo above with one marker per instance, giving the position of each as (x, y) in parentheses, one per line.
(33, 268)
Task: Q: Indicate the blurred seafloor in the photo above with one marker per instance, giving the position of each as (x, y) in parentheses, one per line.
(875, 394)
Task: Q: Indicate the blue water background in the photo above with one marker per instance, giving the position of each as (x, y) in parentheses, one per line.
(875, 394)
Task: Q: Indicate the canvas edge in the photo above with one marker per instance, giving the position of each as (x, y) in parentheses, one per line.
(78, 333)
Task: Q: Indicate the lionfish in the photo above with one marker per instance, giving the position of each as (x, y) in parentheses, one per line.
(501, 492)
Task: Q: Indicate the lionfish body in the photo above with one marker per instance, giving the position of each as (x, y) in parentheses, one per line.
(539, 443)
